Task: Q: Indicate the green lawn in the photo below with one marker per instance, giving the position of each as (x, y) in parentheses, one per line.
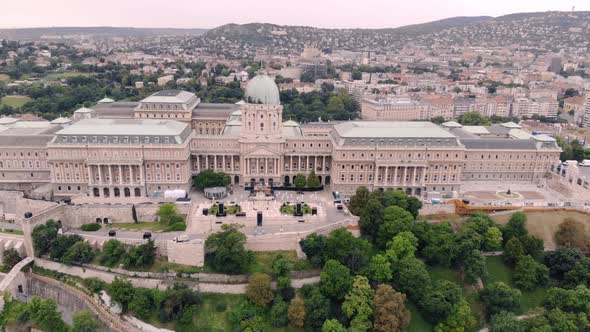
(15, 101)
(417, 323)
(10, 231)
(147, 226)
(499, 271)
(57, 76)
(263, 261)
(469, 291)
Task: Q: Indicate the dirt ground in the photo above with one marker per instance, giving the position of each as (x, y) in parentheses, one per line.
(544, 224)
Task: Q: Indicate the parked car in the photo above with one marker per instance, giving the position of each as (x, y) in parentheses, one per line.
(147, 235)
(181, 238)
(112, 232)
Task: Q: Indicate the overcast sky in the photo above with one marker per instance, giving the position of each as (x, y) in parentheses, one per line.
(212, 13)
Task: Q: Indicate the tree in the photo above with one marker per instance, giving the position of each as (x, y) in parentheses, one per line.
(513, 251)
(141, 256)
(440, 298)
(122, 292)
(314, 246)
(61, 244)
(258, 290)
(403, 245)
(208, 179)
(317, 309)
(475, 266)
(335, 105)
(516, 226)
(561, 261)
(358, 304)
(43, 236)
(134, 214)
(579, 274)
(279, 313)
(296, 312)
(473, 119)
(532, 246)
(529, 274)
(333, 325)
(10, 257)
(81, 252)
(389, 310)
(313, 181)
(506, 322)
(299, 181)
(438, 242)
(499, 297)
(335, 280)
(359, 200)
(371, 218)
(84, 322)
(168, 214)
(227, 251)
(493, 239)
(460, 319)
(44, 313)
(379, 270)
(572, 233)
(410, 276)
(112, 252)
(395, 220)
(352, 252)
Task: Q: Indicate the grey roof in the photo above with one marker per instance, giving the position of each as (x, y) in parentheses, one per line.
(25, 140)
(169, 96)
(117, 109)
(262, 89)
(214, 110)
(391, 129)
(499, 144)
(143, 127)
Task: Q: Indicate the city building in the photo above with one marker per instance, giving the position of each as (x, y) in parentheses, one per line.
(122, 149)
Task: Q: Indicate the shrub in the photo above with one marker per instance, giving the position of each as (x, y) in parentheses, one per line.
(176, 227)
(259, 290)
(90, 227)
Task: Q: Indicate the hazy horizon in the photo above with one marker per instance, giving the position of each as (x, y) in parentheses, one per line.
(187, 14)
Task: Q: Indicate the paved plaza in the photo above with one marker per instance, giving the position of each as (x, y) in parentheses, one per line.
(526, 194)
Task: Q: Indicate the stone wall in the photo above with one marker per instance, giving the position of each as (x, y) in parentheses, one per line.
(14, 241)
(428, 209)
(8, 204)
(14, 282)
(75, 301)
(202, 282)
(187, 253)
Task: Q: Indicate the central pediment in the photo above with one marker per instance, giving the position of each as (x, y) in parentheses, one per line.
(262, 151)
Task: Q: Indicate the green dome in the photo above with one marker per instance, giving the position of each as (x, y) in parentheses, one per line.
(262, 89)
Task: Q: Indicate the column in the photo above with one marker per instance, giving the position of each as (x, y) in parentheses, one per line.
(131, 180)
(324, 164)
(298, 163)
(257, 166)
(395, 175)
(206, 161)
(386, 175)
(215, 163)
(110, 174)
(266, 166)
(90, 179)
(141, 178)
(307, 164)
(198, 164)
(231, 162)
(120, 175)
(375, 176)
(99, 175)
(290, 163)
(405, 169)
(413, 176)
(423, 181)
(224, 164)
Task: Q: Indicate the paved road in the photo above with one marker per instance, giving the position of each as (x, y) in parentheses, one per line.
(133, 234)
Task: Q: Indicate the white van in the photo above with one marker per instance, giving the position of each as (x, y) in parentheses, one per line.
(585, 163)
(181, 238)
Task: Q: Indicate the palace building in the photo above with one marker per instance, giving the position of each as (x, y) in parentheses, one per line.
(122, 149)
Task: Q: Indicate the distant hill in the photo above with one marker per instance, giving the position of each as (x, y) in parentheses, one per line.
(551, 30)
(65, 32)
